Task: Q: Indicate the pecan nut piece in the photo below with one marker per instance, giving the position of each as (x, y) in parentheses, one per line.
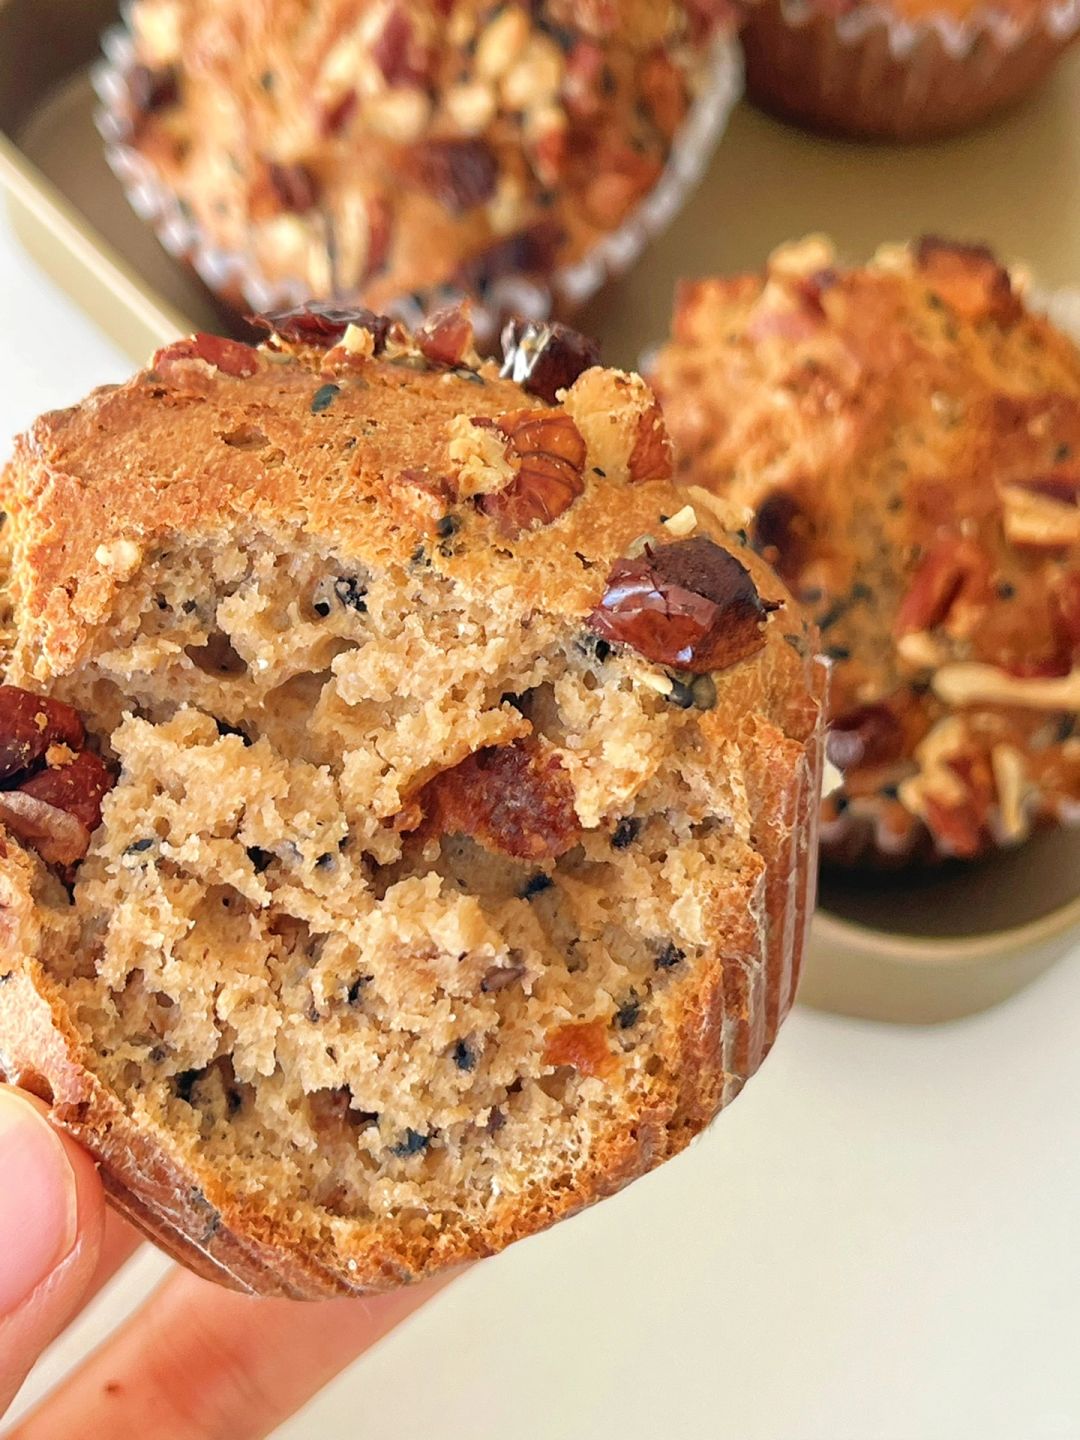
(955, 570)
(446, 336)
(78, 789)
(550, 454)
(58, 837)
(231, 357)
(29, 725)
(514, 799)
(545, 358)
(582, 1045)
(651, 456)
(691, 605)
(968, 278)
(322, 325)
(294, 187)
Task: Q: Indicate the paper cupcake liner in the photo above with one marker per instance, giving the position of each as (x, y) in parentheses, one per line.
(234, 276)
(869, 72)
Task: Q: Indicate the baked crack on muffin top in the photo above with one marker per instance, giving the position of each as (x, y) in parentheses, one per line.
(907, 436)
(408, 796)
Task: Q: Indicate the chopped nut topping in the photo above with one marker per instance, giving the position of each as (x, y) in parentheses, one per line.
(323, 325)
(228, 356)
(971, 683)
(29, 725)
(682, 523)
(968, 278)
(550, 453)
(1042, 513)
(951, 588)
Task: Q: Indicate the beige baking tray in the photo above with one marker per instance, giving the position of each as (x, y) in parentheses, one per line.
(924, 949)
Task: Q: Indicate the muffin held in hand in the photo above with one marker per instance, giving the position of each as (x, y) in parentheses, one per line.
(908, 438)
(900, 69)
(407, 832)
(373, 151)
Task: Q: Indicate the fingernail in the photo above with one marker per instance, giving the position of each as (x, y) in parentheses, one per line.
(38, 1200)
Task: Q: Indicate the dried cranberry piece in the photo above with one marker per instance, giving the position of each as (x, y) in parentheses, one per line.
(395, 54)
(58, 837)
(459, 174)
(335, 117)
(295, 186)
(867, 735)
(446, 336)
(322, 325)
(545, 358)
(152, 90)
(582, 1045)
(782, 534)
(1065, 604)
(551, 452)
(29, 724)
(1065, 489)
(968, 278)
(689, 604)
(231, 357)
(511, 798)
(78, 788)
(529, 252)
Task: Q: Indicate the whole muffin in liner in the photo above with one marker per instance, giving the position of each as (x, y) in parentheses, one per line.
(521, 156)
(906, 438)
(899, 72)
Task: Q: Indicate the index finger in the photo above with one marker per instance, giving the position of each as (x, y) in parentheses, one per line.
(198, 1362)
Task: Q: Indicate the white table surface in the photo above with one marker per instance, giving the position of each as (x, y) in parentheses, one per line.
(879, 1241)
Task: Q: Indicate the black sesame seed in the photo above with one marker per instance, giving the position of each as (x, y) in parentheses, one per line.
(412, 1144)
(1005, 589)
(1062, 453)
(139, 847)
(266, 80)
(463, 1057)
(597, 471)
(536, 885)
(356, 988)
(669, 955)
(628, 1013)
(448, 525)
(351, 593)
(324, 397)
(260, 859)
(838, 652)
(225, 729)
(322, 609)
(625, 832)
(184, 1083)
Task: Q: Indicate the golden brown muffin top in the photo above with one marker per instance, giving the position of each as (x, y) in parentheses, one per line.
(908, 435)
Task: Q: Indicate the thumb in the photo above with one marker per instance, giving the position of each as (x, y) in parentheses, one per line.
(51, 1216)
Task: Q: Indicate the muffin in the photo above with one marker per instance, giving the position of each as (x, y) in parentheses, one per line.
(907, 436)
(407, 833)
(392, 151)
(900, 69)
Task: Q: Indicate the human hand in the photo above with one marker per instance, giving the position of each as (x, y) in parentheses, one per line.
(196, 1361)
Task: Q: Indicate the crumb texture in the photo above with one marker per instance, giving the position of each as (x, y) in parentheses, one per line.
(419, 912)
